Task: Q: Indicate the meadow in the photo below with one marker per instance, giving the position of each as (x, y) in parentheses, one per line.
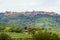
(23, 35)
(18, 34)
(57, 31)
(26, 35)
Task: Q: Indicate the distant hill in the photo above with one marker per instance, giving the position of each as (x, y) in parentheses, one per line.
(33, 18)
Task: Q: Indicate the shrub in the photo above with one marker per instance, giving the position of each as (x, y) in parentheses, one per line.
(45, 36)
(4, 36)
(1, 29)
(16, 29)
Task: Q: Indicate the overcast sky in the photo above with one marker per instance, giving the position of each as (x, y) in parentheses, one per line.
(29, 5)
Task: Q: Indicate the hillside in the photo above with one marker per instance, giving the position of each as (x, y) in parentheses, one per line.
(26, 19)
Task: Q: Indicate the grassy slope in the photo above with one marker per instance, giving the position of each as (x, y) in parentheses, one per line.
(19, 35)
(57, 31)
(25, 35)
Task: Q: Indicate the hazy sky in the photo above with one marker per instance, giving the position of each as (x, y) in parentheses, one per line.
(29, 5)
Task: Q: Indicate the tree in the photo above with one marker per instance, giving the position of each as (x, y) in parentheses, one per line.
(25, 28)
(31, 30)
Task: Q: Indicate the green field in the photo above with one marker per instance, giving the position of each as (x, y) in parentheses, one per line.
(25, 35)
(57, 31)
(18, 35)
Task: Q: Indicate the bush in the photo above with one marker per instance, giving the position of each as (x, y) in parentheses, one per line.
(2, 29)
(45, 36)
(4, 36)
(16, 29)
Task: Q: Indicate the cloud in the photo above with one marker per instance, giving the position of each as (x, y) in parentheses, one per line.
(25, 5)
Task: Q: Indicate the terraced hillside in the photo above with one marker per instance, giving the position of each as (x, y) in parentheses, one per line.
(34, 18)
